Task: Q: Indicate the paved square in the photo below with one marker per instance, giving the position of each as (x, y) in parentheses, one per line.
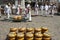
(52, 23)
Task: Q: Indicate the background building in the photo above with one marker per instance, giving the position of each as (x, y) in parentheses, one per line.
(25, 2)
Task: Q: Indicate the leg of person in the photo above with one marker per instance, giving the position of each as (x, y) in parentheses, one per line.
(49, 12)
(0, 14)
(17, 13)
(37, 12)
(8, 15)
(46, 13)
(52, 12)
(30, 16)
(27, 15)
(42, 12)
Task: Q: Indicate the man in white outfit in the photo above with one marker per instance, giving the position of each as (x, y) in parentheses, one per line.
(7, 10)
(36, 9)
(29, 13)
(46, 10)
(42, 10)
(14, 9)
(0, 10)
(53, 10)
(18, 9)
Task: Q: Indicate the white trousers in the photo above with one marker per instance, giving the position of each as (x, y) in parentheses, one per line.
(36, 11)
(42, 12)
(0, 13)
(8, 15)
(18, 12)
(46, 13)
(30, 15)
(53, 11)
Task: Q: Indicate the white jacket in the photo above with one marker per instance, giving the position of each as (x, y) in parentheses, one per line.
(46, 7)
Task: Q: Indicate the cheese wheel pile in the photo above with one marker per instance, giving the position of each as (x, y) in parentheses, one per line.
(30, 33)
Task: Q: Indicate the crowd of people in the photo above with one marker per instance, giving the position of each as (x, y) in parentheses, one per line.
(46, 10)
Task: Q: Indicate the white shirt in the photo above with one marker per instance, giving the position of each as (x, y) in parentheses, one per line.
(46, 7)
(13, 7)
(9, 9)
(6, 8)
(42, 7)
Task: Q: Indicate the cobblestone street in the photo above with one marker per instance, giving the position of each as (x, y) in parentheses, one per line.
(52, 23)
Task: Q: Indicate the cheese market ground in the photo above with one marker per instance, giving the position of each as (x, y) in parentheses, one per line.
(52, 23)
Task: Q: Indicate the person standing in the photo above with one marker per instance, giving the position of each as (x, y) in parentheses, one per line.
(18, 10)
(46, 10)
(0, 11)
(5, 9)
(36, 8)
(55, 8)
(49, 9)
(8, 11)
(42, 10)
(29, 13)
(14, 9)
(53, 11)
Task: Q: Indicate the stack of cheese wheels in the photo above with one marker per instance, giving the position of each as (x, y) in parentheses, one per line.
(22, 29)
(13, 30)
(20, 36)
(11, 36)
(29, 36)
(30, 29)
(38, 36)
(19, 17)
(46, 36)
(37, 30)
(44, 29)
(15, 17)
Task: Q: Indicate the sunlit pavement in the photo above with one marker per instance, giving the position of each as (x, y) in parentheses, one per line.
(52, 23)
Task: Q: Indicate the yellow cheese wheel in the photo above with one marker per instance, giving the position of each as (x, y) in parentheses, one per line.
(13, 29)
(38, 34)
(20, 35)
(37, 29)
(45, 35)
(30, 29)
(29, 35)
